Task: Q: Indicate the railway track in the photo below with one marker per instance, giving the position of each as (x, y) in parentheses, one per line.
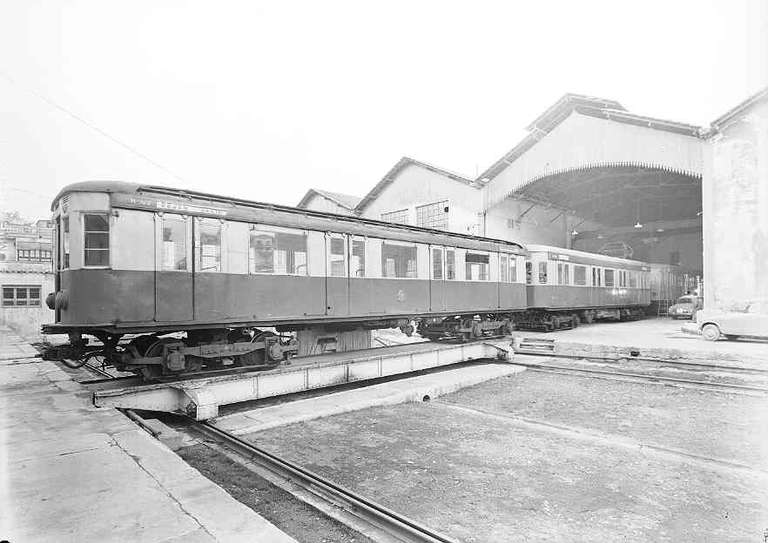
(634, 376)
(395, 526)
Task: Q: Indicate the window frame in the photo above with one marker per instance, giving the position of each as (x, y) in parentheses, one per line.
(388, 213)
(487, 266)
(270, 229)
(441, 215)
(352, 241)
(414, 246)
(108, 216)
(15, 298)
(197, 253)
(184, 219)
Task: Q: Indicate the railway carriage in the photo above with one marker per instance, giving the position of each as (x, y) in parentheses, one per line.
(172, 281)
(565, 287)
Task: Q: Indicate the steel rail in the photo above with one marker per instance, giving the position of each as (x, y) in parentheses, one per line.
(394, 524)
(642, 376)
(647, 360)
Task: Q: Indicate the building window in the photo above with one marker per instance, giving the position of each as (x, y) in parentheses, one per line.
(96, 228)
(174, 255)
(25, 296)
(399, 217)
(450, 264)
(398, 260)
(433, 215)
(579, 275)
(476, 267)
(33, 255)
(281, 253)
(208, 247)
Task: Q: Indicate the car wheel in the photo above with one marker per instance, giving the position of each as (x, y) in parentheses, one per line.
(710, 332)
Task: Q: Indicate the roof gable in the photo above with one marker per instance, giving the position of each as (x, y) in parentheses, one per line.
(347, 201)
(599, 108)
(403, 163)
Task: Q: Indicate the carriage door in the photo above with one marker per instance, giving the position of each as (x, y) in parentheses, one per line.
(173, 268)
(437, 288)
(336, 275)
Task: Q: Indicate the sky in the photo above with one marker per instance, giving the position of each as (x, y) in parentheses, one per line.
(266, 99)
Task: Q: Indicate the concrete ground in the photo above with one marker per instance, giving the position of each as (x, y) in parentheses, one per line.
(72, 472)
(540, 457)
(661, 333)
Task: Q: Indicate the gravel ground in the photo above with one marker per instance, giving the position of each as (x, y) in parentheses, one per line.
(713, 424)
(292, 516)
(486, 478)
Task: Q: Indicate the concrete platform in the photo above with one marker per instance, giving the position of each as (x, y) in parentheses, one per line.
(73, 472)
(653, 337)
(414, 389)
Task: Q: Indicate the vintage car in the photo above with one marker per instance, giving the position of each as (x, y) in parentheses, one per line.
(686, 306)
(715, 324)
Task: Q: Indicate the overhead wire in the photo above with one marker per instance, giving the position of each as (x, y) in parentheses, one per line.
(90, 125)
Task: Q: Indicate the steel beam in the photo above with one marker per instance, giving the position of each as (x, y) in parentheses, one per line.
(200, 398)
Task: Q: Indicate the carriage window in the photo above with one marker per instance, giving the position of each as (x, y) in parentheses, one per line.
(450, 264)
(512, 269)
(503, 269)
(529, 272)
(609, 278)
(476, 267)
(65, 228)
(398, 260)
(96, 228)
(357, 261)
(437, 263)
(579, 275)
(560, 273)
(337, 260)
(174, 243)
(543, 273)
(208, 247)
(596, 277)
(283, 253)
(632, 280)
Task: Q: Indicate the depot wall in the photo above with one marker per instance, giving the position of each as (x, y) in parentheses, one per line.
(26, 321)
(520, 221)
(735, 207)
(415, 186)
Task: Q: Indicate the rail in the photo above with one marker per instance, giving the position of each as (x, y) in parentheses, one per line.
(394, 524)
(553, 368)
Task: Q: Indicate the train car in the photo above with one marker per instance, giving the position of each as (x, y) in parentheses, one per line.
(173, 281)
(566, 287)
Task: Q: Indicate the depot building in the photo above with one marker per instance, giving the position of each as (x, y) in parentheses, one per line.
(593, 176)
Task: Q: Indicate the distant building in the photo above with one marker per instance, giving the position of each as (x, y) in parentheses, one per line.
(331, 202)
(26, 273)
